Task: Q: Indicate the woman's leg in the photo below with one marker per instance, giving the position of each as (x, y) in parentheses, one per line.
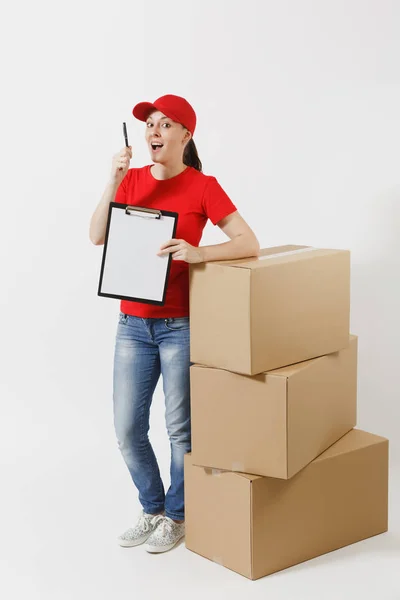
(173, 336)
(136, 372)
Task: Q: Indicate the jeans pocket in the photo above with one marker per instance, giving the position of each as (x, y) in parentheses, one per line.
(122, 318)
(177, 323)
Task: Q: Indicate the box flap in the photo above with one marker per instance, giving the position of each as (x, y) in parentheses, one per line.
(353, 440)
(218, 472)
(291, 370)
(287, 371)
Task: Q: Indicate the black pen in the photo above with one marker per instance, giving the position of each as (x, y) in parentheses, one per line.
(126, 139)
(125, 134)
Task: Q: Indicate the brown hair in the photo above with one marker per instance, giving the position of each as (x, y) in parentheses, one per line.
(190, 156)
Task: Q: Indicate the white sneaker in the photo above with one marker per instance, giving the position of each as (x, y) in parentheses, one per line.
(143, 529)
(165, 536)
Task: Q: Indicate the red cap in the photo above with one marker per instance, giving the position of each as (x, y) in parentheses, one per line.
(175, 107)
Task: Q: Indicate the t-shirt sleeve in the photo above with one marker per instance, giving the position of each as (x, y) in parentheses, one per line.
(122, 191)
(216, 202)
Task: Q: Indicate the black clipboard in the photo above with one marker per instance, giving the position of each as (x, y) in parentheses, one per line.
(129, 262)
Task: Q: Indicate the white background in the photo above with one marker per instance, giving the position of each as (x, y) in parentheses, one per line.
(298, 118)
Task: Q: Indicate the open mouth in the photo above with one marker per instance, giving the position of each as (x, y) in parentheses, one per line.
(156, 147)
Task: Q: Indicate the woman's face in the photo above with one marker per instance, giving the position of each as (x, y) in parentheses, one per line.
(166, 138)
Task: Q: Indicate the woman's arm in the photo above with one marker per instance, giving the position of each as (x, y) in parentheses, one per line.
(98, 223)
(243, 242)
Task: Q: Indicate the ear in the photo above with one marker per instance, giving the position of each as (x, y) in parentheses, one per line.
(186, 137)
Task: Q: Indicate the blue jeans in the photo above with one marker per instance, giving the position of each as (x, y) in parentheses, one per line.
(144, 348)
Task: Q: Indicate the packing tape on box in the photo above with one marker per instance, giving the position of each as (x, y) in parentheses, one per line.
(298, 251)
(216, 472)
(218, 560)
(211, 471)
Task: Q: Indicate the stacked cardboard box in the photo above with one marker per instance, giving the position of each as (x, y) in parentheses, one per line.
(277, 473)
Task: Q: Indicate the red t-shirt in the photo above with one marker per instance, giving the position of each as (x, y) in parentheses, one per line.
(195, 197)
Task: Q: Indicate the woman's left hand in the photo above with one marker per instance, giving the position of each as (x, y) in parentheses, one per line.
(181, 250)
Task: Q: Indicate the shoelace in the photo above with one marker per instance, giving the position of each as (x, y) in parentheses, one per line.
(144, 521)
(166, 524)
(157, 518)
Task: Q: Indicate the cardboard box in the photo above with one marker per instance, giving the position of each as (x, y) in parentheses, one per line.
(258, 525)
(277, 422)
(287, 305)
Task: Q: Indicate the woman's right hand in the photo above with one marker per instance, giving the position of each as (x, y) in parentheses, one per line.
(120, 164)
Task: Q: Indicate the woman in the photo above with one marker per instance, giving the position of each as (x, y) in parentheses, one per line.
(151, 339)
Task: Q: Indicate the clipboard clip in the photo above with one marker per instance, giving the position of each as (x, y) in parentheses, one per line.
(145, 213)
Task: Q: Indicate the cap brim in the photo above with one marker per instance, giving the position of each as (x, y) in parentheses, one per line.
(142, 110)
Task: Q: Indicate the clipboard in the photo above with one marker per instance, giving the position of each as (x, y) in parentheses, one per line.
(130, 267)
